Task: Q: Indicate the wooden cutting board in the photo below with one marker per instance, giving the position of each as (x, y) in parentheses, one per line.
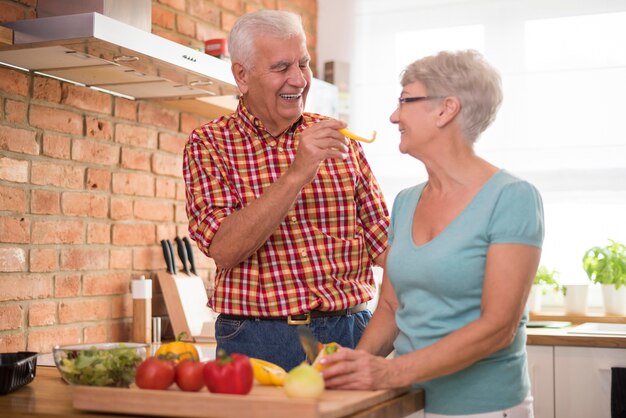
(262, 402)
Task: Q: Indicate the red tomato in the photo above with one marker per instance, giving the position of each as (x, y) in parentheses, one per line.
(229, 374)
(153, 373)
(189, 375)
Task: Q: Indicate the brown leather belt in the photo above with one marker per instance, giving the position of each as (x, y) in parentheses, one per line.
(300, 319)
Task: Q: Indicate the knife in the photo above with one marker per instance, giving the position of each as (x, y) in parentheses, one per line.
(167, 256)
(170, 250)
(192, 262)
(182, 253)
(309, 342)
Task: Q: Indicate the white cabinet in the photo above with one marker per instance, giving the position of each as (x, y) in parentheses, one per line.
(541, 372)
(572, 382)
(583, 380)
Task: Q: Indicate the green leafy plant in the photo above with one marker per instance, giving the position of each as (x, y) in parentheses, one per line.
(606, 265)
(547, 278)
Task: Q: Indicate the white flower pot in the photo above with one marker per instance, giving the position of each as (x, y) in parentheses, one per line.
(534, 298)
(576, 298)
(614, 299)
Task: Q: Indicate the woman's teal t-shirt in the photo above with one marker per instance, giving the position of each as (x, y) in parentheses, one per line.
(439, 288)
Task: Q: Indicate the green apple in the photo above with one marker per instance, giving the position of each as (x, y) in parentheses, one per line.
(304, 382)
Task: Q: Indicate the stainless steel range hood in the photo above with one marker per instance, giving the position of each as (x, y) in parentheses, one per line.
(103, 53)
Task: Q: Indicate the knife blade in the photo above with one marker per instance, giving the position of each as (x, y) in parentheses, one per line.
(182, 253)
(167, 257)
(192, 261)
(309, 342)
(170, 249)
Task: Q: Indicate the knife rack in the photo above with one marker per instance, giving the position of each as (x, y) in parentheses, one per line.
(186, 302)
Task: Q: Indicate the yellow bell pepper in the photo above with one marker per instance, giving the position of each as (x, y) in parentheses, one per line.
(178, 350)
(352, 135)
(327, 349)
(267, 373)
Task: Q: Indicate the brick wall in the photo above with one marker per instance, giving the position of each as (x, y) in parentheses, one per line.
(89, 185)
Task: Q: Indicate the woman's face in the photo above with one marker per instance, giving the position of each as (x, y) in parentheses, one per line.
(416, 118)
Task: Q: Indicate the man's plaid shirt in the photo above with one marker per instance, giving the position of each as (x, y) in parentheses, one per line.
(320, 256)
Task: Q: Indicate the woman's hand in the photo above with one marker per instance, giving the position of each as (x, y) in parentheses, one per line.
(356, 369)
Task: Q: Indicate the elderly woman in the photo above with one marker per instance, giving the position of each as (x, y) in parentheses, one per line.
(464, 249)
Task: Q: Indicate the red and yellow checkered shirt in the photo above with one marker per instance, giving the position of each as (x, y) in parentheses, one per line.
(320, 256)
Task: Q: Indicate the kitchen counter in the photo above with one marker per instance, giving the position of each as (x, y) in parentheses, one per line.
(560, 336)
(49, 396)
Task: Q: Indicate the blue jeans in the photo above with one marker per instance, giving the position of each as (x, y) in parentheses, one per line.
(277, 342)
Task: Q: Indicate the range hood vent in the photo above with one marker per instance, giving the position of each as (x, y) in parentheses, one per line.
(103, 53)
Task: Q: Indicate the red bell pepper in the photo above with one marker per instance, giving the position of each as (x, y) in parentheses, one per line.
(229, 374)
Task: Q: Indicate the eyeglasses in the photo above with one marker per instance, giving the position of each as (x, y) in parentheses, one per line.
(417, 99)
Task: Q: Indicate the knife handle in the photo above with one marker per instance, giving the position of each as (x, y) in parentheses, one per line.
(182, 253)
(167, 256)
(192, 262)
(170, 249)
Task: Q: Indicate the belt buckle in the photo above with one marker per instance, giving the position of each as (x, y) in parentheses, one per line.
(305, 321)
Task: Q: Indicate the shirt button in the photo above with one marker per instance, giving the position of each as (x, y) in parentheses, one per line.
(280, 149)
(303, 253)
(293, 220)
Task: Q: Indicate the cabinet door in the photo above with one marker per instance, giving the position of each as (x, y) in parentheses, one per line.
(541, 372)
(583, 380)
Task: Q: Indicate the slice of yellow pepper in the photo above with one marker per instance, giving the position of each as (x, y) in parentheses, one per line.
(354, 136)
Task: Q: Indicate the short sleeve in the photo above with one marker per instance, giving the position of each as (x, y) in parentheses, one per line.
(518, 216)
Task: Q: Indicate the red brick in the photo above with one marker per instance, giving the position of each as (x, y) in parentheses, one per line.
(84, 259)
(133, 234)
(44, 260)
(12, 259)
(98, 233)
(11, 343)
(43, 339)
(12, 81)
(13, 200)
(180, 214)
(133, 184)
(106, 284)
(13, 170)
(204, 11)
(172, 143)
(56, 120)
(14, 230)
(11, 316)
(45, 202)
(20, 287)
(48, 89)
(166, 188)
(228, 21)
(95, 152)
(149, 258)
(58, 232)
(186, 26)
(98, 128)
(121, 209)
(121, 259)
(57, 146)
(151, 210)
(167, 164)
(121, 306)
(188, 123)
(67, 286)
(235, 6)
(153, 114)
(176, 4)
(136, 135)
(85, 309)
(86, 98)
(166, 231)
(84, 204)
(162, 18)
(126, 109)
(135, 159)
(253, 7)
(42, 313)
(95, 334)
(18, 140)
(174, 38)
(50, 174)
(15, 111)
(204, 32)
(98, 179)
(180, 191)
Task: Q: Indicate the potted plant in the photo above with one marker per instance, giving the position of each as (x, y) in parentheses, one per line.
(607, 266)
(544, 279)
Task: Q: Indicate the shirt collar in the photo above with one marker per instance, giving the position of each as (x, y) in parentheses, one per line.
(255, 126)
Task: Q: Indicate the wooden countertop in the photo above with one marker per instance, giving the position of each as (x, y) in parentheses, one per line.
(49, 396)
(548, 336)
